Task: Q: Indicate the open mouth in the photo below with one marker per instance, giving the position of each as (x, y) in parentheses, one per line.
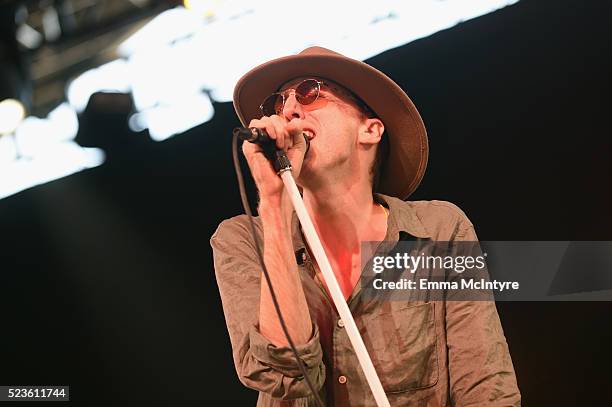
(309, 133)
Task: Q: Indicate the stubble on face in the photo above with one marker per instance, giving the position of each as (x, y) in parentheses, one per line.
(335, 120)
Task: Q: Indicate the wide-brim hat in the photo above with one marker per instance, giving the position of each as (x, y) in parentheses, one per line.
(408, 148)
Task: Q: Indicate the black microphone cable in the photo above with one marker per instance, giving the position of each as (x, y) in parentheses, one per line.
(282, 160)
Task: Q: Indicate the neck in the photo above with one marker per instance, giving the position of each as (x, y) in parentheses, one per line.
(344, 218)
(343, 214)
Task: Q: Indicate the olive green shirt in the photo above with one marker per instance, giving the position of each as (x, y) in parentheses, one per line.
(436, 353)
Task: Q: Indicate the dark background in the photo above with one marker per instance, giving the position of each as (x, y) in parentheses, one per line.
(106, 280)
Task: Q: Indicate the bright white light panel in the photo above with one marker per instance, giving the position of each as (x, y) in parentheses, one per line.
(181, 59)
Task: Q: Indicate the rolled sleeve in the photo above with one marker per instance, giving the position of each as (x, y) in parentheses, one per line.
(260, 365)
(274, 370)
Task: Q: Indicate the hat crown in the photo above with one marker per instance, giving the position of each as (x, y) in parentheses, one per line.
(319, 51)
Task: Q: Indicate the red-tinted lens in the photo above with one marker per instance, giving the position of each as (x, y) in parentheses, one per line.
(273, 104)
(307, 92)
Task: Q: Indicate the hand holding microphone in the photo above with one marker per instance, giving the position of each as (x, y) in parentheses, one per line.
(267, 132)
(252, 135)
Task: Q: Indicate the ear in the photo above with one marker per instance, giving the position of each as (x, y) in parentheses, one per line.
(371, 131)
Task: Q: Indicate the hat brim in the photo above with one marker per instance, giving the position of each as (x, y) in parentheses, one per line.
(408, 147)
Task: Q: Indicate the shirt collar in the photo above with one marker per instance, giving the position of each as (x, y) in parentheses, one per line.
(402, 218)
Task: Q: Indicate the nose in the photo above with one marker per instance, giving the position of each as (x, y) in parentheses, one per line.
(293, 109)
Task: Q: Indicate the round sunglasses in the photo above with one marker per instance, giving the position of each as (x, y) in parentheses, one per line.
(306, 92)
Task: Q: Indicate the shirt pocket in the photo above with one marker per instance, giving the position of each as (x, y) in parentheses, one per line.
(401, 338)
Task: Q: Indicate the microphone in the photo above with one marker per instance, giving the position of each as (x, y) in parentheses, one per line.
(260, 137)
(253, 135)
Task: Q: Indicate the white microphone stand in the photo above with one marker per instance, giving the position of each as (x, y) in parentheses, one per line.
(337, 296)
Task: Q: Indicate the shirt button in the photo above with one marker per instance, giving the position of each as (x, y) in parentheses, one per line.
(342, 379)
(341, 323)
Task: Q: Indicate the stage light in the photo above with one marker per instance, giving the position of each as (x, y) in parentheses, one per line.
(203, 8)
(62, 160)
(163, 30)
(12, 113)
(8, 151)
(164, 121)
(179, 61)
(113, 76)
(42, 150)
(29, 37)
(35, 137)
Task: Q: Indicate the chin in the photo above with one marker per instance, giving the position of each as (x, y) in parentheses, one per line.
(306, 178)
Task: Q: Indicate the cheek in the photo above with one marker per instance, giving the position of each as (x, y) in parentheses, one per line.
(333, 149)
(336, 136)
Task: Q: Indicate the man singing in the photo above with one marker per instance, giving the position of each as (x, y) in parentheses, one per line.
(368, 152)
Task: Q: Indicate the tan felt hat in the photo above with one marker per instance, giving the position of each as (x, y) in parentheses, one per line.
(408, 149)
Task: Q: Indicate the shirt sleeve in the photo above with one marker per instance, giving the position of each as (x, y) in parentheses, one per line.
(260, 364)
(480, 367)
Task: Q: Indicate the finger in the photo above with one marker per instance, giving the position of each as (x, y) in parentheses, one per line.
(290, 129)
(250, 148)
(294, 127)
(297, 136)
(265, 123)
(268, 124)
(282, 136)
(256, 123)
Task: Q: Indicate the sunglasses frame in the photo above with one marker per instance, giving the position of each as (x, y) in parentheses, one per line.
(294, 89)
